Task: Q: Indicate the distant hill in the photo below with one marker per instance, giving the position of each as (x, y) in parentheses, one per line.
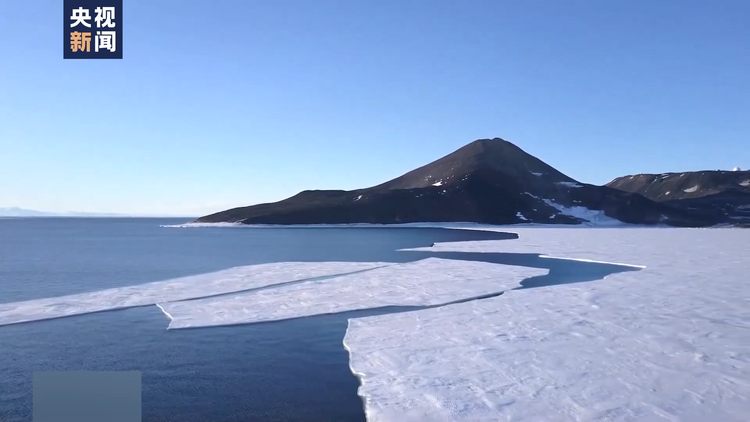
(488, 181)
(21, 212)
(725, 195)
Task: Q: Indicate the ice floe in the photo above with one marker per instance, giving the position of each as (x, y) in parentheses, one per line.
(191, 287)
(670, 342)
(426, 282)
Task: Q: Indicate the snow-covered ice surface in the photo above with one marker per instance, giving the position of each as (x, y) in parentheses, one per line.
(668, 343)
(197, 286)
(428, 282)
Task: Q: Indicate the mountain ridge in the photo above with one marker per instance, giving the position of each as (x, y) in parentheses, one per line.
(725, 195)
(490, 181)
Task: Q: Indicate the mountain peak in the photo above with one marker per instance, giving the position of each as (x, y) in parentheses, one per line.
(490, 141)
(494, 155)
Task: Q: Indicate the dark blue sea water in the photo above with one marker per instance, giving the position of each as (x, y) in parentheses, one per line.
(293, 370)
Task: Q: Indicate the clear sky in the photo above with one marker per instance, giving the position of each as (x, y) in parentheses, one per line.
(227, 103)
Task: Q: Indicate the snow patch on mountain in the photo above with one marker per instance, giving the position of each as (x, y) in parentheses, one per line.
(596, 217)
(569, 184)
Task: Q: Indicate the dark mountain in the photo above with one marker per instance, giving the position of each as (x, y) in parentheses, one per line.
(724, 195)
(488, 181)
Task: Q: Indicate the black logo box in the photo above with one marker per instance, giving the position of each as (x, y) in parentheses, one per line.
(91, 5)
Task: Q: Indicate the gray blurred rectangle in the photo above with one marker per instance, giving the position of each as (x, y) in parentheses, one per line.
(87, 396)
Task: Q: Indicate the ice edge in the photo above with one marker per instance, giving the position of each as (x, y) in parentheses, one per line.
(358, 375)
(171, 319)
(593, 261)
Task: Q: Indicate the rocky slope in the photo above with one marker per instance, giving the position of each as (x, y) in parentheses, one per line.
(488, 181)
(724, 195)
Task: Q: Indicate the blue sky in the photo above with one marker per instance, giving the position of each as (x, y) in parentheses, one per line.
(227, 103)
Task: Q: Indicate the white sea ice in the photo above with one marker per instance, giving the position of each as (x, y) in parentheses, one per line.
(670, 342)
(221, 282)
(426, 282)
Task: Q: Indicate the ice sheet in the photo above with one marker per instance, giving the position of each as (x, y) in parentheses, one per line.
(221, 282)
(426, 282)
(670, 342)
